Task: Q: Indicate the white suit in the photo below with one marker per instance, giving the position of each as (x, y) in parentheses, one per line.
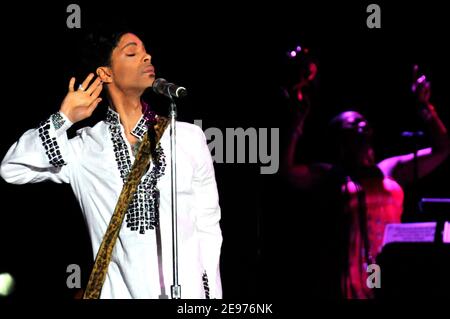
(96, 163)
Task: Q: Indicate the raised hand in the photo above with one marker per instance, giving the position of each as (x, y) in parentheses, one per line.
(421, 87)
(80, 104)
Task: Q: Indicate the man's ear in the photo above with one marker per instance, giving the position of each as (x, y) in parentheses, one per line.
(104, 73)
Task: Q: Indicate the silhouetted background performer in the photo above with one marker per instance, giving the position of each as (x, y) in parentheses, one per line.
(356, 194)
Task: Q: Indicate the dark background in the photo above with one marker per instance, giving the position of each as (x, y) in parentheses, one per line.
(229, 57)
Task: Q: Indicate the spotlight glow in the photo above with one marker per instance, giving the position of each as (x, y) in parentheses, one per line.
(6, 284)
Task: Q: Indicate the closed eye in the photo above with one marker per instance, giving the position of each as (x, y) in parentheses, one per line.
(132, 54)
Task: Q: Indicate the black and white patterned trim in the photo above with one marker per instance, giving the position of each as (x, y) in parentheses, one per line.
(112, 117)
(206, 284)
(57, 120)
(140, 129)
(143, 211)
(50, 144)
(121, 152)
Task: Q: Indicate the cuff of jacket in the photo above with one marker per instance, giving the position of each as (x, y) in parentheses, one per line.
(60, 123)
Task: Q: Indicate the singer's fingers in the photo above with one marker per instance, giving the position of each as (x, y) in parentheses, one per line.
(93, 105)
(93, 85)
(86, 82)
(71, 84)
(97, 91)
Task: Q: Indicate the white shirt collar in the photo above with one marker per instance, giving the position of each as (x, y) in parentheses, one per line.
(113, 118)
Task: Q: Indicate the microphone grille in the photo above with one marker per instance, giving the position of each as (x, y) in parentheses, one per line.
(158, 85)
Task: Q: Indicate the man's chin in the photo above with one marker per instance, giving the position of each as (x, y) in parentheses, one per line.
(148, 83)
(151, 81)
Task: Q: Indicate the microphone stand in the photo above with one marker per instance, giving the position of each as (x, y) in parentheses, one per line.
(175, 288)
(415, 136)
(416, 172)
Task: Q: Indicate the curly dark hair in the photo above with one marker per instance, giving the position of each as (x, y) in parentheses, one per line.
(98, 46)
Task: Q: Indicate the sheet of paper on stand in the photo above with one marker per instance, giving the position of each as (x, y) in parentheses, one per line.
(410, 233)
(446, 233)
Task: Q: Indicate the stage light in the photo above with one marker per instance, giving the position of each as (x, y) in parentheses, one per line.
(297, 51)
(6, 284)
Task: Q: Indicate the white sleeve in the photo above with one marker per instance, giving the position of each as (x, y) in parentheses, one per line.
(208, 215)
(40, 154)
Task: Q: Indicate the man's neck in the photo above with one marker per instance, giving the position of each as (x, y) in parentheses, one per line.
(129, 108)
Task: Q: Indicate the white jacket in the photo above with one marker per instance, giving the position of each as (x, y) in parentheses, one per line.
(96, 163)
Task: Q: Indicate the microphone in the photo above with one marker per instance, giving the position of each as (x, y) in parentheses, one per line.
(161, 86)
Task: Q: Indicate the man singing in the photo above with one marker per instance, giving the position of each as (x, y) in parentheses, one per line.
(97, 162)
